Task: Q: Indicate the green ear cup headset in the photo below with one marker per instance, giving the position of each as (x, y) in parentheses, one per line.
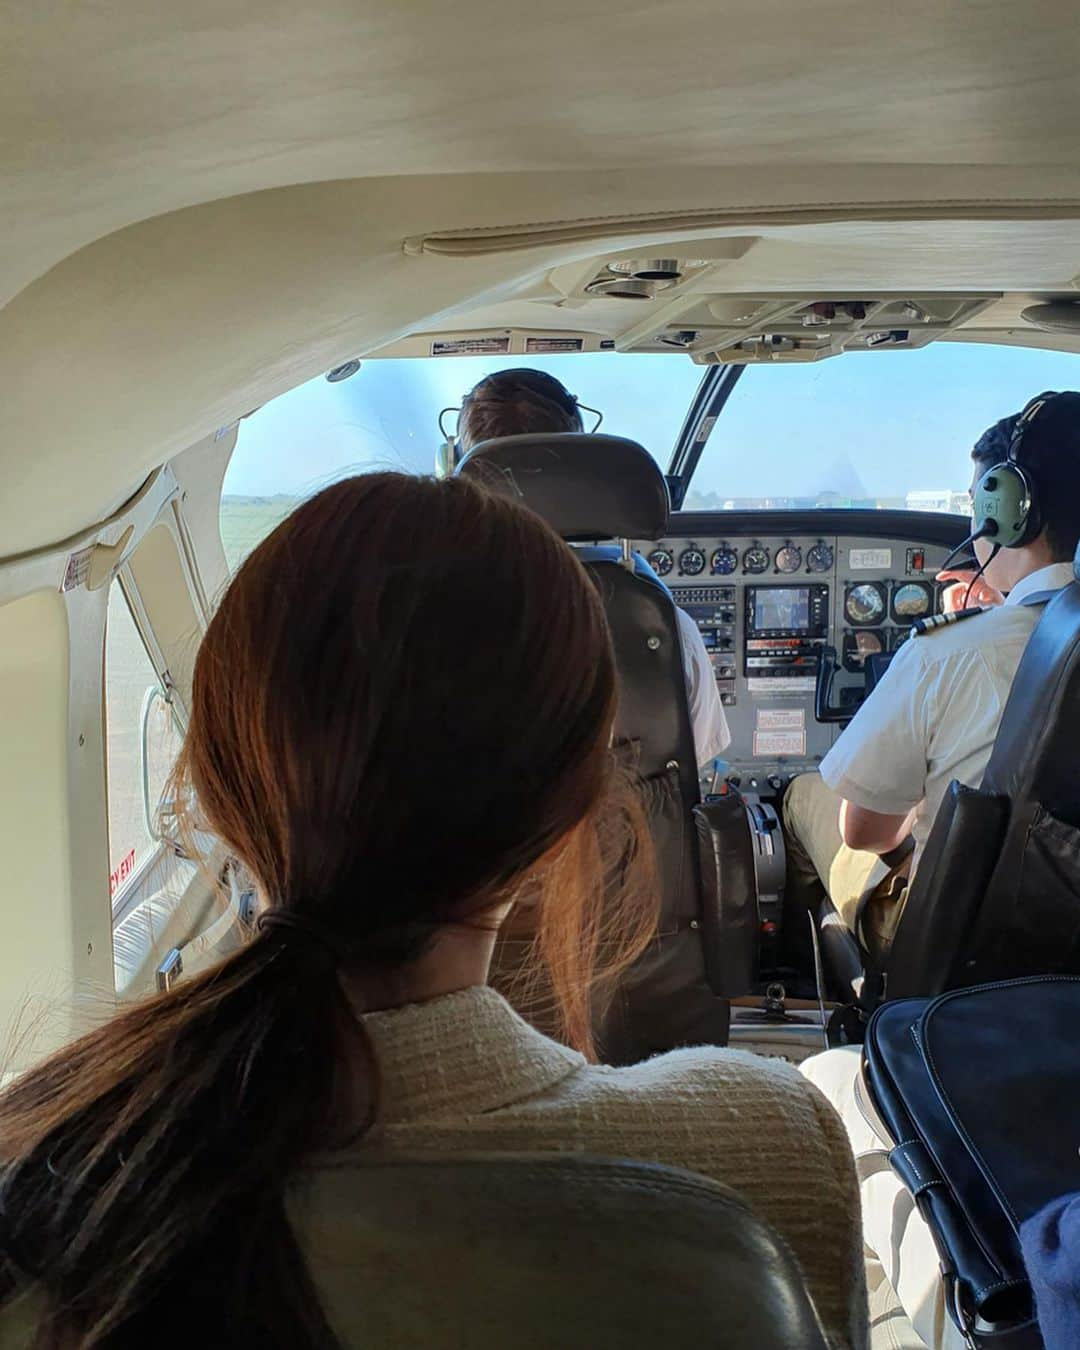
(1006, 502)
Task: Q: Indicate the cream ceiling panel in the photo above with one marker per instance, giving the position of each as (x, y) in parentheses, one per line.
(110, 114)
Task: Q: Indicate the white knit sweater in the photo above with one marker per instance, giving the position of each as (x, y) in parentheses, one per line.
(464, 1072)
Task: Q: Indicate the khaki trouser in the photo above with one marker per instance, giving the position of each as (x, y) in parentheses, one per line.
(818, 858)
(903, 1268)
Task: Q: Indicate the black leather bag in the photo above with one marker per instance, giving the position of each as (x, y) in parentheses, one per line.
(975, 1096)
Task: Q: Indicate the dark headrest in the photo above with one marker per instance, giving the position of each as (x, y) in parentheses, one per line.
(586, 487)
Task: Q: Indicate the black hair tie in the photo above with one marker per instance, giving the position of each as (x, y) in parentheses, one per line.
(293, 928)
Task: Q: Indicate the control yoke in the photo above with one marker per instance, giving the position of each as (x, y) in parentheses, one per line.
(828, 664)
(824, 708)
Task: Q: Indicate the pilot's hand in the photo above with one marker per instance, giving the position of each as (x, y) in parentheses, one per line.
(956, 596)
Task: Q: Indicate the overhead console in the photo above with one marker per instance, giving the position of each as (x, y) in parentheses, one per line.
(769, 599)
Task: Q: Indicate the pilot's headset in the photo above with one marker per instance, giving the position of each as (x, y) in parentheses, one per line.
(1006, 507)
(539, 388)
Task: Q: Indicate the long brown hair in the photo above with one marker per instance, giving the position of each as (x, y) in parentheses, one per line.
(400, 718)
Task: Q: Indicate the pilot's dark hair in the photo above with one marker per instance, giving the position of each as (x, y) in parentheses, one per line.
(390, 621)
(1050, 454)
(516, 403)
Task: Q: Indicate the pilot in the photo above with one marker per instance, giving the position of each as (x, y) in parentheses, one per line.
(523, 401)
(934, 714)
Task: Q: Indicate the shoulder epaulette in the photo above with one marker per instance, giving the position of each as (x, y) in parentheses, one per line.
(933, 622)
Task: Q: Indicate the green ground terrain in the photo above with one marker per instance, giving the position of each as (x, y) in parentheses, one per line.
(247, 520)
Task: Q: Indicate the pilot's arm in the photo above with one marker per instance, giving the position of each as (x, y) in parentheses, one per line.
(879, 764)
(711, 733)
(872, 831)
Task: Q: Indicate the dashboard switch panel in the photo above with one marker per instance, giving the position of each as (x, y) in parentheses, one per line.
(763, 625)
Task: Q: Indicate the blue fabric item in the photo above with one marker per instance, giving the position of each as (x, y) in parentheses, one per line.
(593, 553)
(1051, 1246)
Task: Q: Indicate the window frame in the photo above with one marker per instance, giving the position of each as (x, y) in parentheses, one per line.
(161, 845)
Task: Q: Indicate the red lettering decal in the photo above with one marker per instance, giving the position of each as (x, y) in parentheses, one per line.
(122, 871)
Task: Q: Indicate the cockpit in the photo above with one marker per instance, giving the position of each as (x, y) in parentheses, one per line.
(793, 268)
(814, 501)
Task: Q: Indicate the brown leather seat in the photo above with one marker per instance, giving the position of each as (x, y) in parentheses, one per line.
(536, 1251)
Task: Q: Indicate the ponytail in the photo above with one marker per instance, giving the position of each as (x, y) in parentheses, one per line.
(388, 622)
(146, 1166)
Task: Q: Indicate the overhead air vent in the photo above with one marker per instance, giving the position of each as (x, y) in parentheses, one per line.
(649, 269)
(641, 278)
(623, 288)
(342, 372)
(682, 338)
(1055, 316)
(824, 312)
(767, 344)
(887, 337)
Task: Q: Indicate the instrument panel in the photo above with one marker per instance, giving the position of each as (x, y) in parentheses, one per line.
(767, 603)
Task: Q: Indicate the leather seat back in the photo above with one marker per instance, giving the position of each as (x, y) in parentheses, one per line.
(593, 489)
(1034, 755)
(941, 911)
(542, 1250)
(997, 891)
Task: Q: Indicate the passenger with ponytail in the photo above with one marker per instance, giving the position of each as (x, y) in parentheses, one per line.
(400, 726)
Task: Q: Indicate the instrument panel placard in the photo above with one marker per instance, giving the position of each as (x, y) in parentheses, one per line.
(870, 559)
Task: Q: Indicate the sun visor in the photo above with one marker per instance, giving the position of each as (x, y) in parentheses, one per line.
(586, 487)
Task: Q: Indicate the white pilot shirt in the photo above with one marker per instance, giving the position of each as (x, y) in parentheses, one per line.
(935, 713)
(711, 734)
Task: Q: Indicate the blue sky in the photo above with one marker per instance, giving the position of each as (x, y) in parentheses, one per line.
(883, 422)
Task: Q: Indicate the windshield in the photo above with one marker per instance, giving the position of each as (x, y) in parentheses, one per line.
(867, 429)
(881, 429)
(387, 416)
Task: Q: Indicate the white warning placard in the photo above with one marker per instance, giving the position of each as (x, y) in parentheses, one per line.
(783, 684)
(541, 346)
(870, 559)
(780, 719)
(768, 744)
(472, 346)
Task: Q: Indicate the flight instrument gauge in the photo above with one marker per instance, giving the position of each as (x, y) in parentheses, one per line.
(724, 561)
(789, 558)
(820, 557)
(858, 646)
(912, 601)
(691, 562)
(864, 604)
(756, 559)
(661, 561)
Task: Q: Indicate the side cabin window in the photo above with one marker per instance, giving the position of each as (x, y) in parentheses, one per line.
(143, 741)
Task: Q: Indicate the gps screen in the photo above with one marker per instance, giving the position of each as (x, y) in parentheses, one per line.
(782, 607)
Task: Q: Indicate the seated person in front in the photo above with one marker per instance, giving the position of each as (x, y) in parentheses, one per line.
(175, 1162)
(935, 713)
(521, 402)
